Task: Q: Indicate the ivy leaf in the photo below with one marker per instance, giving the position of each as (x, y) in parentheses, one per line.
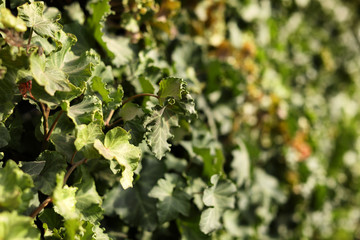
(99, 86)
(15, 188)
(210, 220)
(54, 164)
(241, 164)
(88, 200)
(5, 136)
(64, 199)
(173, 91)
(44, 24)
(99, 11)
(116, 146)
(143, 208)
(218, 197)
(14, 226)
(170, 88)
(49, 76)
(119, 49)
(172, 200)
(12, 64)
(85, 138)
(87, 111)
(62, 72)
(221, 194)
(158, 130)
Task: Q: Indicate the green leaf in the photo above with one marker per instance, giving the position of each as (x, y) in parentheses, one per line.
(54, 163)
(158, 130)
(218, 197)
(85, 138)
(10, 21)
(15, 188)
(99, 86)
(172, 200)
(14, 226)
(88, 200)
(210, 220)
(33, 168)
(62, 72)
(221, 194)
(13, 63)
(99, 11)
(87, 111)
(48, 75)
(116, 147)
(171, 88)
(119, 49)
(130, 110)
(49, 217)
(44, 24)
(143, 208)
(5, 136)
(64, 199)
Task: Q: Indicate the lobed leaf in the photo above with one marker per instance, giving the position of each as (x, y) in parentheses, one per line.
(45, 24)
(158, 130)
(124, 156)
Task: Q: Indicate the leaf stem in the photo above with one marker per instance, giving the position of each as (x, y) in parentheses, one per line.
(108, 119)
(29, 41)
(49, 198)
(73, 167)
(41, 207)
(45, 111)
(53, 125)
(139, 95)
(72, 158)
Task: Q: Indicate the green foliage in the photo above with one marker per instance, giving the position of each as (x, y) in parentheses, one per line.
(177, 119)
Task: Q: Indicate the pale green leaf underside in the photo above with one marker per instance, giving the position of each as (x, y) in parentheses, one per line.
(210, 220)
(221, 195)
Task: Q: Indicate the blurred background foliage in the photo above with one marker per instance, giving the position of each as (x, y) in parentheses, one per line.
(276, 86)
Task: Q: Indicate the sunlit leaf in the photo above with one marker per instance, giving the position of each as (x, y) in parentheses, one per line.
(124, 156)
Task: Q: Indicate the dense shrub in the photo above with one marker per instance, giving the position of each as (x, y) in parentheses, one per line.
(167, 119)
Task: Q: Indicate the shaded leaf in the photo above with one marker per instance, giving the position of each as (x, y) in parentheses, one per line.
(143, 208)
(172, 201)
(54, 163)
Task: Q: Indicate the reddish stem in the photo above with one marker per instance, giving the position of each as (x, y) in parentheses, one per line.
(41, 207)
(53, 125)
(49, 199)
